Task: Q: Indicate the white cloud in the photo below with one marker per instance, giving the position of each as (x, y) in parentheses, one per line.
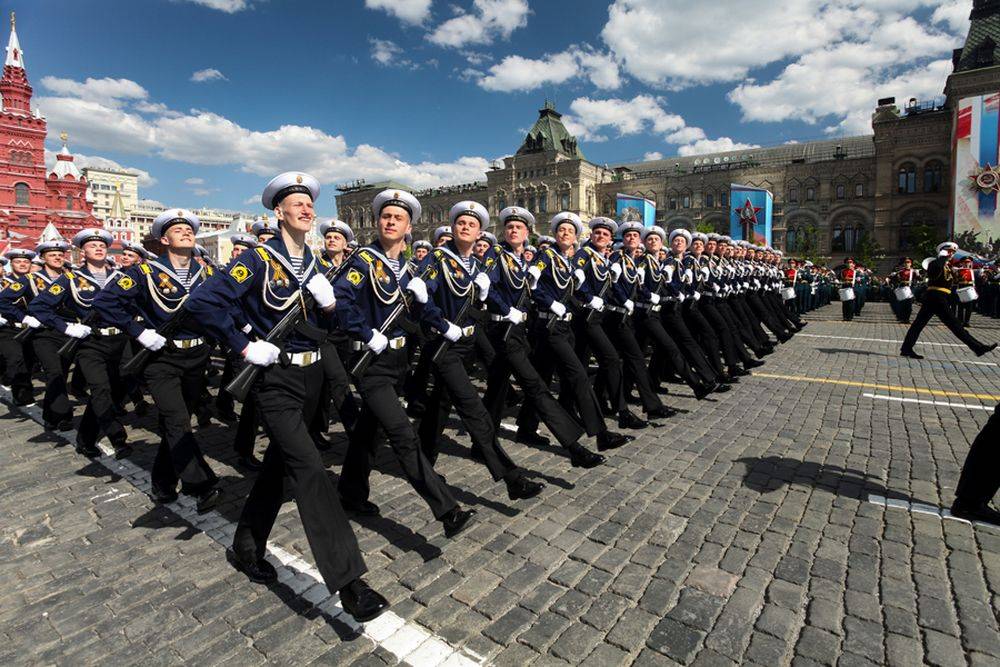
(98, 162)
(643, 113)
(384, 51)
(517, 73)
(489, 19)
(208, 74)
(414, 12)
(113, 92)
(227, 6)
(955, 13)
(151, 203)
(652, 155)
(206, 138)
(194, 181)
(204, 192)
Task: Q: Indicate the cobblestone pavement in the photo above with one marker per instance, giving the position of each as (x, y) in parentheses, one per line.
(794, 520)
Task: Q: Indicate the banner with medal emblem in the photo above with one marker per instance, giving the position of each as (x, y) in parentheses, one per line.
(976, 147)
(630, 208)
(751, 216)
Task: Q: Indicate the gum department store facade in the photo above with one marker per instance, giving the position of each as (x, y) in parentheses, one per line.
(882, 184)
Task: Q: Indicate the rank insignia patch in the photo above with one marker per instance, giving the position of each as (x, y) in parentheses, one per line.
(55, 289)
(354, 277)
(240, 273)
(126, 283)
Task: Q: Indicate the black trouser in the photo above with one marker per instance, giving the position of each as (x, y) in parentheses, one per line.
(904, 310)
(934, 303)
(17, 366)
(765, 315)
(98, 358)
(749, 320)
(131, 386)
(286, 398)
(590, 336)
(673, 322)
(705, 335)
(554, 352)
(732, 349)
(224, 401)
(513, 357)
(847, 309)
(452, 386)
(55, 404)
(176, 378)
(336, 396)
(381, 406)
(619, 327)
(965, 312)
(246, 427)
(790, 318)
(980, 477)
(650, 328)
(740, 329)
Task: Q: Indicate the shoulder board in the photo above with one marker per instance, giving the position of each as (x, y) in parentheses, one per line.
(69, 274)
(209, 270)
(438, 253)
(366, 256)
(263, 253)
(145, 268)
(550, 252)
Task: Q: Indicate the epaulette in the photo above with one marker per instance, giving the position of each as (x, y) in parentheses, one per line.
(209, 270)
(550, 252)
(146, 268)
(69, 274)
(366, 256)
(263, 253)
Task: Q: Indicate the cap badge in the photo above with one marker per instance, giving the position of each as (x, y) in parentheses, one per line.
(298, 178)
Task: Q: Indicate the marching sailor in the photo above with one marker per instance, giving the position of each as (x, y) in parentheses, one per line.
(14, 299)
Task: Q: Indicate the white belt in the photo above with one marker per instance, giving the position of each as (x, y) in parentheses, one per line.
(503, 318)
(651, 307)
(552, 316)
(468, 331)
(187, 343)
(18, 325)
(108, 331)
(397, 343)
(304, 358)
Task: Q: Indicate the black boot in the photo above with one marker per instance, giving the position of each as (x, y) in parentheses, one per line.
(628, 420)
(250, 462)
(581, 457)
(361, 601)
(661, 412)
(911, 354)
(456, 520)
(989, 348)
(208, 500)
(521, 488)
(610, 440)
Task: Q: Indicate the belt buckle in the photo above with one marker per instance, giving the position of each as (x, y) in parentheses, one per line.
(469, 330)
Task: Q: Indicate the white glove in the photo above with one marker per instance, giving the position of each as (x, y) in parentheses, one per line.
(558, 308)
(715, 287)
(597, 303)
(151, 340)
(515, 316)
(616, 272)
(378, 342)
(77, 330)
(668, 271)
(629, 306)
(688, 276)
(2, 321)
(246, 328)
(696, 296)
(579, 276)
(261, 353)
(452, 333)
(534, 273)
(642, 273)
(654, 298)
(756, 283)
(31, 322)
(704, 272)
(418, 288)
(322, 291)
(681, 297)
(483, 283)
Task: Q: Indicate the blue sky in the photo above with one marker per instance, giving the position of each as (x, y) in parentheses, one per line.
(430, 91)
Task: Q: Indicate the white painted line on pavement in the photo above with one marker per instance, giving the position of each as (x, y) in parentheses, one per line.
(923, 508)
(943, 404)
(404, 639)
(877, 340)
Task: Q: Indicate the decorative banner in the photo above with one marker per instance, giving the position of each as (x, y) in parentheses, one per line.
(977, 180)
(750, 217)
(635, 209)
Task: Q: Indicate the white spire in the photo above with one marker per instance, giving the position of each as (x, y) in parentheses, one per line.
(50, 233)
(64, 161)
(15, 57)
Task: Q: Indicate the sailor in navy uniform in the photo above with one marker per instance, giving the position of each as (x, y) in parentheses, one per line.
(700, 289)
(133, 253)
(14, 298)
(599, 276)
(224, 403)
(619, 305)
(555, 280)
(455, 280)
(508, 303)
(442, 235)
(716, 308)
(367, 294)
(420, 249)
(263, 230)
(67, 306)
(266, 282)
(138, 301)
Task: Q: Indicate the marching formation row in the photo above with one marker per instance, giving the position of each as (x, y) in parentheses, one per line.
(369, 337)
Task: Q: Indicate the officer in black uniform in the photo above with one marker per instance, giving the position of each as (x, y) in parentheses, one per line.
(935, 302)
(267, 282)
(369, 293)
(14, 299)
(508, 303)
(980, 477)
(455, 280)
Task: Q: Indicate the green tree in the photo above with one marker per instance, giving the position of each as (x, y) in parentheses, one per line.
(924, 240)
(704, 227)
(868, 250)
(807, 245)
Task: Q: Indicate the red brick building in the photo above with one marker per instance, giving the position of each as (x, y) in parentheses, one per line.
(31, 196)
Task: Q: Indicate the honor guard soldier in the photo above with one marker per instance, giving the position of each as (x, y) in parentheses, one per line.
(370, 303)
(67, 307)
(266, 282)
(848, 277)
(555, 279)
(940, 280)
(619, 324)
(965, 279)
(263, 230)
(599, 276)
(902, 295)
(455, 280)
(508, 302)
(15, 296)
(139, 301)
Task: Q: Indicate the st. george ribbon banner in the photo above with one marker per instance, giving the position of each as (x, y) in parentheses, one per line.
(751, 214)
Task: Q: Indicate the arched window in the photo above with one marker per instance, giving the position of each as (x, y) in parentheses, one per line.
(838, 242)
(791, 238)
(841, 191)
(907, 179)
(564, 201)
(793, 194)
(543, 203)
(859, 189)
(724, 199)
(810, 194)
(531, 203)
(709, 200)
(686, 201)
(501, 202)
(69, 202)
(22, 195)
(933, 174)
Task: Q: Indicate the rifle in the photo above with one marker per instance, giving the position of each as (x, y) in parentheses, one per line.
(244, 380)
(366, 358)
(445, 343)
(600, 295)
(525, 293)
(24, 334)
(167, 330)
(68, 349)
